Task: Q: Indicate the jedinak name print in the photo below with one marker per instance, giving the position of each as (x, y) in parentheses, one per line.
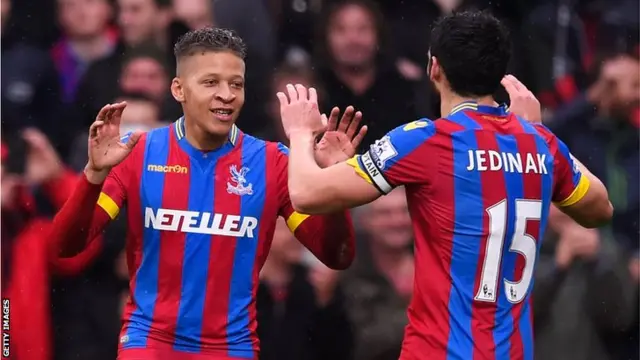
(490, 160)
(200, 222)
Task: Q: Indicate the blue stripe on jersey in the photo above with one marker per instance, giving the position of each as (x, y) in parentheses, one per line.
(195, 265)
(514, 189)
(462, 119)
(467, 230)
(242, 282)
(526, 325)
(145, 291)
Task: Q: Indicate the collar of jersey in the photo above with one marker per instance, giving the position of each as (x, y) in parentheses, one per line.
(204, 158)
(180, 131)
(500, 110)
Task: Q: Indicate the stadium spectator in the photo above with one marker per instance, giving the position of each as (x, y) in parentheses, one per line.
(28, 259)
(195, 14)
(143, 71)
(380, 282)
(86, 37)
(301, 312)
(354, 70)
(142, 114)
(143, 23)
(599, 128)
(28, 84)
(285, 74)
(583, 292)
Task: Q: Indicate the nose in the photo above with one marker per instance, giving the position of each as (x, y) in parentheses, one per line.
(224, 93)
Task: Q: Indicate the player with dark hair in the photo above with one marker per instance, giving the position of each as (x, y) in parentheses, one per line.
(202, 201)
(479, 183)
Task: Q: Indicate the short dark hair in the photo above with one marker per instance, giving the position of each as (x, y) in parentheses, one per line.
(209, 40)
(473, 49)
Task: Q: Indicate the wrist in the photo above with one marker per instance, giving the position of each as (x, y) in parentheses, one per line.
(94, 176)
(302, 135)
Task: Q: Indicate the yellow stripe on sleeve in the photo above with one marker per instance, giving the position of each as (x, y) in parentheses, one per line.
(107, 204)
(353, 162)
(578, 193)
(295, 219)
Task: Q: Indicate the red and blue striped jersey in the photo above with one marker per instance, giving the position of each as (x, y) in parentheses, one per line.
(200, 225)
(479, 184)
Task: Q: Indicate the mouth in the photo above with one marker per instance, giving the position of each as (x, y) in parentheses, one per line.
(222, 114)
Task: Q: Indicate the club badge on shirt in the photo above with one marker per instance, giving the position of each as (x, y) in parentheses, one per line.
(236, 185)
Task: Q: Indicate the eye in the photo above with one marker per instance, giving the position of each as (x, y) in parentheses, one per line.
(210, 82)
(237, 85)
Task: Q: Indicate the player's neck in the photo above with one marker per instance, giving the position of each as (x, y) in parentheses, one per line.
(202, 140)
(451, 100)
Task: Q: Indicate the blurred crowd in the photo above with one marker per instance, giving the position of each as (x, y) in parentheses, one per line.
(64, 59)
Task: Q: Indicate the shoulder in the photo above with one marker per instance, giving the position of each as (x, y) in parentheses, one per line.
(406, 136)
(541, 130)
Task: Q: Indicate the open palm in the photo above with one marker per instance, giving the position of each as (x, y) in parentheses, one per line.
(341, 139)
(106, 148)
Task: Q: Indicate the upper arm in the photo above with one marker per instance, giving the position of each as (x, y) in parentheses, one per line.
(396, 159)
(576, 192)
(286, 209)
(569, 184)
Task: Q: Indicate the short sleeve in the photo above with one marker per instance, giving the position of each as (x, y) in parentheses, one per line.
(569, 184)
(293, 218)
(398, 158)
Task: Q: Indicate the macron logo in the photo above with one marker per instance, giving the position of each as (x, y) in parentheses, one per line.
(200, 222)
(178, 169)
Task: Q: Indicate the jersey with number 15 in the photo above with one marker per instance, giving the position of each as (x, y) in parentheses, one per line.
(479, 184)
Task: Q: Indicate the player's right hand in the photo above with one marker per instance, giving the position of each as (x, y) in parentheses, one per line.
(522, 102)
(106, 149)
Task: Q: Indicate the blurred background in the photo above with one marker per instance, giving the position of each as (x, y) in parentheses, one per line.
(64, 59)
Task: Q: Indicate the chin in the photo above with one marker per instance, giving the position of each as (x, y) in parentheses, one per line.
(218, 128)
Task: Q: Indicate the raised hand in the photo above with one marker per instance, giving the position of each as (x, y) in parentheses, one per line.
(299, 111)
(341, 139)
(522, 101)
(106, 149)
(43, 163)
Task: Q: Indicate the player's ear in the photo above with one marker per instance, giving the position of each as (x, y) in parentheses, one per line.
(177, 90)
(434, 70)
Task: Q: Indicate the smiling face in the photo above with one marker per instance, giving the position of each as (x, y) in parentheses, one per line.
(210, 87)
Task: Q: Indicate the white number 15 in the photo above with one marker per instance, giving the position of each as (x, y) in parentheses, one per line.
(521, 243)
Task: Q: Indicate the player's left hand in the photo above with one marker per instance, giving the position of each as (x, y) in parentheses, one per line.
(522, 101)
(43, 163)
(299, 111)
(341, 139)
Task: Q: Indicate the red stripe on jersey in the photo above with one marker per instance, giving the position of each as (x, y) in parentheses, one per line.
(429, 315)
(532, 189)
(483, 314)
(135, 218)
(268, 220)
(171, 259)
(216, 301)
(559, 194)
